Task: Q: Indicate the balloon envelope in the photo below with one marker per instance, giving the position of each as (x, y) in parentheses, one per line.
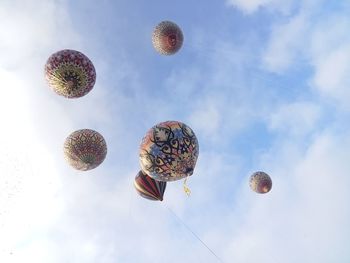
(169, 151)
(167, 38)
(70, 73)
(260, 182)
(85, 149)
(148, 187)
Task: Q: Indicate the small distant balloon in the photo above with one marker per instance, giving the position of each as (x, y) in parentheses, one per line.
(167, 38)
(169, 151)
(260, 182)
(85, 149)
(70, 73)
(149, 188)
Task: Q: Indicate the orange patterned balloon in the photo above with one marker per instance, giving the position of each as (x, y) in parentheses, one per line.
(85, 149)
(260, 182)
(169, 151)
(167, 38)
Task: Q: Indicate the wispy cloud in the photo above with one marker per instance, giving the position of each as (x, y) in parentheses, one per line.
(297, 118)
(322, 46)
(308, 195)
(251, 6)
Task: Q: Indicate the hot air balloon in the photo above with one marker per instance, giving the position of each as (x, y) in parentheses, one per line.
(70, 73)
(169, 151)
(167, 38)
(148, 187)
(260, 182)
(85, 149)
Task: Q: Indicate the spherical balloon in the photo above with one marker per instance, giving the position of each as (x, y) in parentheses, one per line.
(148, 187)
(85, 149)
(260, 182)
(169, 151)
(167, 38)
(70, 73)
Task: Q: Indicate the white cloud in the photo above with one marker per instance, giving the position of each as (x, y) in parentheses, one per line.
(285, 44)
(207, 120)
(29, 181)
(297, 118)
(332, 75)
(251, 6)
(322, 45)
(24, 35)
(330, 57)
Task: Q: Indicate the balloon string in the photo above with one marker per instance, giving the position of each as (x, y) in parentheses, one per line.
(193, 233)
(187, 190)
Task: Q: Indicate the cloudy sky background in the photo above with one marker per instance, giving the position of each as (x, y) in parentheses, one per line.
(263, 83)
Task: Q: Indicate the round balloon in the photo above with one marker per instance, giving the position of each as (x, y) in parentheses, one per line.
(167, 38)
(260, 182)
(70, 73)
(169, 151)
(85, 149)
(148, 187)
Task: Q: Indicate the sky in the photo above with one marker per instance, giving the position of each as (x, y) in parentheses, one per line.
(265, 86)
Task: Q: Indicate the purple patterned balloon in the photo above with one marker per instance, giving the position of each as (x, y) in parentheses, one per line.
(85, 149)
(70, 73)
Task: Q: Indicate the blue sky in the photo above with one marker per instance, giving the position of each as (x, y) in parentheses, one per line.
(264, 85)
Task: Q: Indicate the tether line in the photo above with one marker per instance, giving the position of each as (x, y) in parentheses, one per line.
(194, 234)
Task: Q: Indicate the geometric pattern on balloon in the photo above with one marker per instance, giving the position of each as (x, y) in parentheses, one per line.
(167, 38)
(149, 188)
(85, 149)
(260, 182)
(70, 73)
(169, 151)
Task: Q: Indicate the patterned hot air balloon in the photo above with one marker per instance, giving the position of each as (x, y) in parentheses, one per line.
(148, 187)
(85, 149)
(169, 151)
(260, 182)
(70, 73)
(167, 38)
